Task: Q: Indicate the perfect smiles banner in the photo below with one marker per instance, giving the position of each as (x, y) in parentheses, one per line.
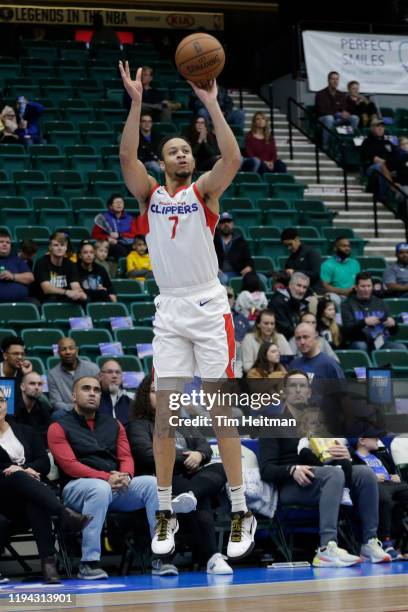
(378, 62)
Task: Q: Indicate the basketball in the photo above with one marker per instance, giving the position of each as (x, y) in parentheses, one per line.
(200, 58)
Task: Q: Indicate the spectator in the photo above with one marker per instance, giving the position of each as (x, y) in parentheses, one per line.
(138, 265)
(203, 143)
(115, 401)
(62, 377)
(395, 276)
(9, 132)
(153, 100)
(265, 331)
(359, 106)
(101, 256)
(338, 273)
(378, 154)
(24, 464)
(27, 252)
(56, 277)
(96, 467)
(260, 144)
(366, 320)
(241, 327)
(234, 258)
(33, 410)
(327, 326)
(14, 364)
(233, 116)
(288, 304)
(331, 105)
(267, 364)
(302, 259)
(392, 491)
(149, 145)
(28, 116)
(116, 226)
(15, 275)
(93, 278)
(399, 167)
(251, 300)
(313, 484)
(192, 472)
(325, 348)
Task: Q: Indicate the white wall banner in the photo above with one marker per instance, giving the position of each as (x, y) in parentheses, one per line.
(377, 61)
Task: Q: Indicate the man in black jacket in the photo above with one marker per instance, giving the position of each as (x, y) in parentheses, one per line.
(302, 259)
(378, 154)
(315, 484)
(366, 319)
(288, 304)
(331, 106)
(32, 410)
(234, 258)
(149, 144)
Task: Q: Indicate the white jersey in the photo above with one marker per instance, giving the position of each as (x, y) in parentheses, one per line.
(179, 232)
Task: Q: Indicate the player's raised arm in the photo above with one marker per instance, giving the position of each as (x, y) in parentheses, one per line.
(136, 178)
(213, 183)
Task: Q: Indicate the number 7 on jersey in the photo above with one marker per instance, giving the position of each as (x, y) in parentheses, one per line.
(176, 220)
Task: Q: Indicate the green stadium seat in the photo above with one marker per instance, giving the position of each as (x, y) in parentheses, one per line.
(396, 306)
(98, 176)
(8, 71)
(247, 177)
(104, 189)
(398, 360)
(313, 210)
(58, 314)
(136, 335)
(151, 287)
(64, 138)
(286, 191)
(351, 359)
(12, 149)
(109, 150)
(90, 337)
(318, 244)
(102, 312)
(277, 177)
(265, 265)
(253, 191)
(112, 162)
(32, 232)
(67, 183)
(28, 175)
(55, 217)
(85, 163)
(19, 315)
(79, 149)
(7, 188)
(10, 163)
(112, 115)
(58, 126)
(5, 332)
(143, 312)
(70, 73)
(29, 91)
(368, 262)
(49, 203)
(280, 218)
(78, 115)
(237, 204)
(58, 93)
(331, 233)
(51, 82)
(180, 95)
(402, 334)
(181, 116)
(128, 363)
(86, 217)
(41, 340)
(94, 126)
(14, 202)
(247, 218)
(98, 139)
(357, 246)
(270, 248)
(164, 128)
(75, 232)
(49, 163)
(13, 218)
(34, 189)
(307, 231)
(257, 232)
(95, 204)
(38, 365)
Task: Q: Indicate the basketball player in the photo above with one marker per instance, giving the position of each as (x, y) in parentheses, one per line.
(193, 323)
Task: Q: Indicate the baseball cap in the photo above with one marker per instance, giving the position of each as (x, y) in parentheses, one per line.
(375, 122)
(401, 246)
(226, 216)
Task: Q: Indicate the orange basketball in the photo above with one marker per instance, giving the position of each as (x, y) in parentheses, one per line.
(200, 58)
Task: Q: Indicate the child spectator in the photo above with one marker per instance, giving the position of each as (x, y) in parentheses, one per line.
(267, 364)
(392, 491)
(326, 323)
(93, 278)
(252, 299)
(318, 440)
(138, 264)
(101, 254)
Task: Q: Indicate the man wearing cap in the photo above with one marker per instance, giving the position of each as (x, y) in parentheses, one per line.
(378, 153)
(234, 258)
(395, 277)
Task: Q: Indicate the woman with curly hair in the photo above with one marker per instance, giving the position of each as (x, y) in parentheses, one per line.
(192, 472)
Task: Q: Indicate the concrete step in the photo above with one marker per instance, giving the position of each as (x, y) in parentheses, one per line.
(334, 196)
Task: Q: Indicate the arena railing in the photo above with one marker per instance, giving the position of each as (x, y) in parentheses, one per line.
(395, 200)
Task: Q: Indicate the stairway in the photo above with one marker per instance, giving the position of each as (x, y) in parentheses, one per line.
(360, 216)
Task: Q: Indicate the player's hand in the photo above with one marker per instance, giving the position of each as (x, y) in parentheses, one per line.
(134, 88)
(303, 475)
(207, 94)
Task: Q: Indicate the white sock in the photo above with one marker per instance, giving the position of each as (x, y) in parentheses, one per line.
(164, 495)
(238, 503)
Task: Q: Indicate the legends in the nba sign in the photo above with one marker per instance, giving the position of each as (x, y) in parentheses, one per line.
(48, 15)
(378, 61)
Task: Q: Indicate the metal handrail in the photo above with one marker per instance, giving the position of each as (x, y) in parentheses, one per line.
(339, 141)
(402, 213)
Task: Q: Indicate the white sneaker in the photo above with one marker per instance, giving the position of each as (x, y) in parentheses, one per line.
(333, 556)
(241, 540)
(184, 503)
(346, 499)
(217, 564)
(163, 539)
(159, 568)
(374, 552)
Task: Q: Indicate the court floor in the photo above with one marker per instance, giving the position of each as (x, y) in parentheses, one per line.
(377, 588)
